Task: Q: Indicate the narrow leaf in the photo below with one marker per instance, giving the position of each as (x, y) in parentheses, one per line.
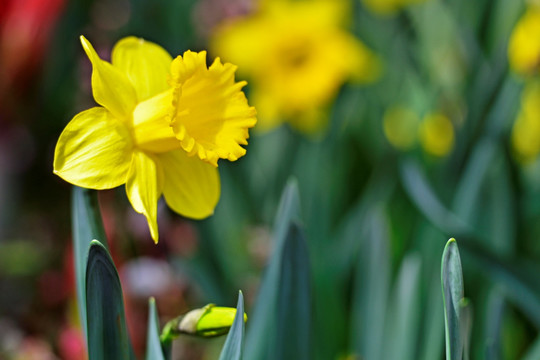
(421, 193)
(289, 210)
(291, 333)
(466, 319)
(262, 317)
(153, 345)
(403, 322)
(107, 333)
(87, 226)
(432, 342)
(522, 288)
(371, 287)
(533, 352)
(234, 345)
(452, 289)
(470, 183)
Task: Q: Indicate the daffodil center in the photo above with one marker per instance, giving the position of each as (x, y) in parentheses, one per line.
(295, 56)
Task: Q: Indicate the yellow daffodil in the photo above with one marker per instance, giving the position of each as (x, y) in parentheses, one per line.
(297, 54)
(388, 7)
(161, 127)
(524, 45)
(526, 130)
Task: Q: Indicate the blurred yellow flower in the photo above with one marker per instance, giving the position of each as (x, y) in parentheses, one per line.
(403, 129)
(526, 130)
(400, 126)
(155, 112)
(524, 45)
(388, 7)
(298, 55)
(436, 134)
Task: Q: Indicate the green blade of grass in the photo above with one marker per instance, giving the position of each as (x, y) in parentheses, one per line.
(452, 289)
(234, 345)
(107, 332)
(87, 226)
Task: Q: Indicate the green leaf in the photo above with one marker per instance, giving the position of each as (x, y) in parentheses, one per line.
(256, 342)
(281, 321)
(289, 210)
(468, 189)
(433, 328)
(107, 332)
(293, 321)
(533, 352)
(515, 277)
(466, 319)
(418, 188)
(87, 226)
(153, 345)
(234, 345)
(452, 288)
(402, 325)
(371, 287)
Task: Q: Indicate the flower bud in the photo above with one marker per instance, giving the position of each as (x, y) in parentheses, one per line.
(208, 321)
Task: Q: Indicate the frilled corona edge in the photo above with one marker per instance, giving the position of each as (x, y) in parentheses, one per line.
(210, 115)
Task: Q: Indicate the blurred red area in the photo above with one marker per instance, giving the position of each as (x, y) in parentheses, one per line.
(25, 30)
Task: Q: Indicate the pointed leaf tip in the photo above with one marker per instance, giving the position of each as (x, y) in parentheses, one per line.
(453, 294)
(107, 331)
(154, 350)
(234, 345)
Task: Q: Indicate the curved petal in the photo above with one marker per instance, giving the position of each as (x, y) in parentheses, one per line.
(94, 150)
(143, 187)
(191, 186)
(211, 115)
(111, 88)
(146, 65)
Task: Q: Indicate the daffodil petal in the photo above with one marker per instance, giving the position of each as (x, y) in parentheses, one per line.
(144, 187)
(146, 65)
(112, 89)
(211, 115)
(192, 186)
(94, 150)
(151, 124)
